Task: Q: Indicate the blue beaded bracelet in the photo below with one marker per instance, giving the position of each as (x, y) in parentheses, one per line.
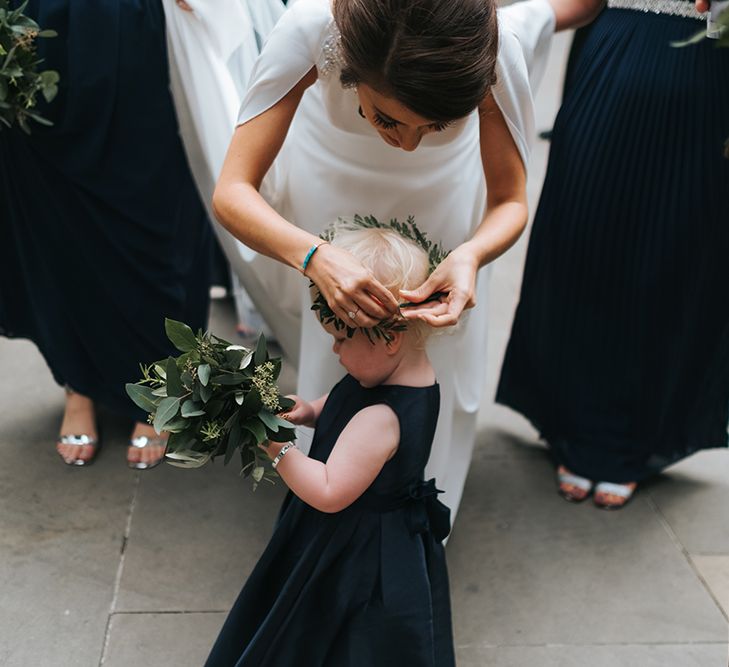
(310, 254)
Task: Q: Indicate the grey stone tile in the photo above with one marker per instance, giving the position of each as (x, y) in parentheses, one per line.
(61, 528)
(161, 640)
(691, 655)
(529, 568)
(494, 441)
(715, 572)
(693, 495)
(195, 537)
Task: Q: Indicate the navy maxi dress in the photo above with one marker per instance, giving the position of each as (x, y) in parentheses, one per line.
(619, 351)
(363, 587)
(102, 232)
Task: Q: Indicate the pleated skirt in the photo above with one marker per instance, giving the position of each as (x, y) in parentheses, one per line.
(619, 352)
(102, 231)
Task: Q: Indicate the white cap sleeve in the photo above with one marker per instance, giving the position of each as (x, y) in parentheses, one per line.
(525, 31)
(291, 50)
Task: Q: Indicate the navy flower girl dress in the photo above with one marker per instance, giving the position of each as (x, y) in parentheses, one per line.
(363, 587)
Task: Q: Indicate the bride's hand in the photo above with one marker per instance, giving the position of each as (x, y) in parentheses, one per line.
(456, 277)
(183, 5)
(349, 288)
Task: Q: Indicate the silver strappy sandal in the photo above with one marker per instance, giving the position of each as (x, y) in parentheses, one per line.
(79, 441)
(142, 442)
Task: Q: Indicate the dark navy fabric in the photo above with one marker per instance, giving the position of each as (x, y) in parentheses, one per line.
(619, 352)
(362, 587)
(102, 232)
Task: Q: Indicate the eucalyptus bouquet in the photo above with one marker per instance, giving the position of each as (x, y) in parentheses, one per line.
(20, 80)
(213, 399)
(722, 25)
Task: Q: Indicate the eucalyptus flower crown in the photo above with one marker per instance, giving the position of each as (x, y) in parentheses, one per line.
(408, 230)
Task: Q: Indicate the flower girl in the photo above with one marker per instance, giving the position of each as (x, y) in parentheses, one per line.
(355, 572)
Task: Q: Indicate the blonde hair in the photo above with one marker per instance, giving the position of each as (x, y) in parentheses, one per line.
(398, 263)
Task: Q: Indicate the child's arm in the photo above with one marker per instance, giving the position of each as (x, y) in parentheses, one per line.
(305, 413)
(362, 449)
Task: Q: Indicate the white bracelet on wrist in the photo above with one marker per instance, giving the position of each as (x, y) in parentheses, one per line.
(282, 453)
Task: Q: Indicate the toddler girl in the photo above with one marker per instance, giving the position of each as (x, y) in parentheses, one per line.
(355, 572)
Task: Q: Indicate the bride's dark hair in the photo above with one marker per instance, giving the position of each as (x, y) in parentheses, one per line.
(437, 57)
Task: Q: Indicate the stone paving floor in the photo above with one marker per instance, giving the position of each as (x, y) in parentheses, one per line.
(107, 566)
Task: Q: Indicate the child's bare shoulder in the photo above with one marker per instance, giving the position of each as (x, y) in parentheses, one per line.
(376, 423)
(378, 416)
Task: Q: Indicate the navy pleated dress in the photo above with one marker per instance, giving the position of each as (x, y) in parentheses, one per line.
(619, 352)
(363, 587)
(102, 232)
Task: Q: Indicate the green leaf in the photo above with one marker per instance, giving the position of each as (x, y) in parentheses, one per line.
(240, 397)
(233, 441)
(214, 408)
(269, 420)
(180, 335)
(166, 411)
(247, 460)
(235, 357)
(47, 33)
(203, 373)
(252, 403)
(192, 409)
(246, 361)
(177, 425)
(283, 435)
(142, 396)
(206, 393)
(276, 368)
(257, 473)
(174, 383)
(286, 403)
(187, 459)
(261, 351)
(258, 430)
(694, 39)
(228, 378)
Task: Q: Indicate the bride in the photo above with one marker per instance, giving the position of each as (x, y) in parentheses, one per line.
(390, 108)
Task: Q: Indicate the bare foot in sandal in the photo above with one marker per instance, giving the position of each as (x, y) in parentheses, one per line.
(146, 448)
(609, 496)
(572, 487)
(78, 441)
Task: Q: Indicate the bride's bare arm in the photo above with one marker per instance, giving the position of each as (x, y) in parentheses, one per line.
(236, 201)
(344, 282)
(505, 220)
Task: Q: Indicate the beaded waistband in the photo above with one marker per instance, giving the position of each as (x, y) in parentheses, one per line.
(683, 8)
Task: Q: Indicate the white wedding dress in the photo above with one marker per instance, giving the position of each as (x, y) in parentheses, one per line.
(334, 164)
(212, 51)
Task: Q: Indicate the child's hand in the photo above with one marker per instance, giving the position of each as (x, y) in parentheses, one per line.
(302, 414)
(271, 448)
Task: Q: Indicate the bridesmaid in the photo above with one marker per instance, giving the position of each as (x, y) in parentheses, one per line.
(619, 352)
(103, 233)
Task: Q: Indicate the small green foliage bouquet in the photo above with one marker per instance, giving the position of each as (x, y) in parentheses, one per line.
(20, 80)
(408, 230)
(213, 399)
(721, 26)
